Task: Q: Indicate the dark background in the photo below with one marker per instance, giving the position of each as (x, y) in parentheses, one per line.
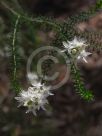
(68, 115)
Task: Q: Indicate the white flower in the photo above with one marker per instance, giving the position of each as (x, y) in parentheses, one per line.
(76, 48)
(83, 55)
(34, 99)
(34, 79)
(32, 76)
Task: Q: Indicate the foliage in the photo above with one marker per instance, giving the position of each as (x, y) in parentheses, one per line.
(64, 31)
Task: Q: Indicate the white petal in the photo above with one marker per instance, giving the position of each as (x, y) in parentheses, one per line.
(37, 84)
(43, 108)
(85, 60)
(32, 76)
(65, 44)
(20, 105)
(63, 50)
(88, 53)
(34, 113)
(79, 57)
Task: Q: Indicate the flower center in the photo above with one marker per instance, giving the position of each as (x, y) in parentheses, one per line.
(29, 103)
(74, 51)
(36, 101)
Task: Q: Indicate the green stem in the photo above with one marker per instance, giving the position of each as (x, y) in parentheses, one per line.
(38, 20)
(79, 85)
(13, 46)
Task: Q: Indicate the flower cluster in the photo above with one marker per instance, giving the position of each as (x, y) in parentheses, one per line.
(76, 49)
(35, 97)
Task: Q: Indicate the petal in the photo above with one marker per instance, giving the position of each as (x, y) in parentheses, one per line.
(78, 57)
(17, 98)
(85, 60)
(88, 53)
(63, 50)
(32, 76)
(43, 108)
(20, 105)
(65, 44)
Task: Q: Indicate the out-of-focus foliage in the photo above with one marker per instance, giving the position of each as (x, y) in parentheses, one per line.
(14, 122)
(31, 36)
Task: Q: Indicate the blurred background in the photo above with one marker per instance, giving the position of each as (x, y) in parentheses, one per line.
(68, 115)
